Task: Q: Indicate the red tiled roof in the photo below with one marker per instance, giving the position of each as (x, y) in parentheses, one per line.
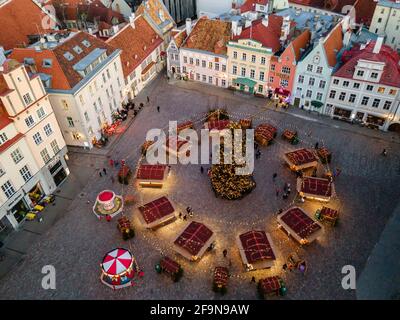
(221, 275)
(250, 5)
(297, 220)
(10, 142)
(218, 124)
(364, 11)
(209, 35)
(309, 3)
(4, 120)
(301, 42)
(265, 131)
(301, 156)
(391, 71)
(156, 210)
(180, 38)
(333, 43)
(256, 246)
(194, 237)
(136, 43)
(151, 172)
(169, 265)
(267, 35)
(270, 284)
(316, 186)
(20, 18)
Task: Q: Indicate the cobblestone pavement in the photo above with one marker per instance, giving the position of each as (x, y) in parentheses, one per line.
(367, 192)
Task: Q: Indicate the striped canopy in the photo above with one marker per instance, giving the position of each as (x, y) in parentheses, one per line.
(117, 261)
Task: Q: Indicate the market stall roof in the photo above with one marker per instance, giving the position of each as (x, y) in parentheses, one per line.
(106, 195)
(176, 143)
(117, 261)
(256, 246)
(169, 265)
(184, 125)
(329, 213)
(299, 222)
(301, 156)
(221, 276)
(218, 124)
(270, 284)
(156, 210)
(151, 172)
(316, 186)
(245, 81)
(282, 92)
(194, 237)
(266, 131)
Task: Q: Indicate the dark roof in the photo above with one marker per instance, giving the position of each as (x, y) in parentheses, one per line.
(256, 246)
(194, 237)
(151, 172)
(301, 156)
(316, 186)
(297, 220)
(156, 210)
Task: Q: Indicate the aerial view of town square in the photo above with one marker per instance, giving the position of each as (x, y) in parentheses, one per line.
(200, 150)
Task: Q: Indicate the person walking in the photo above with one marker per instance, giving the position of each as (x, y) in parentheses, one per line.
(253, 279)
(316, 145)
(111, 162)
(148, 99)
(225, 253)
(274, 176)
(105, 171)
(158, 108)
(384, 152)
(201, 169)
(100, 174)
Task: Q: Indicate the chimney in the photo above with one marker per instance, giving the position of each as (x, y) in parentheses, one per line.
(378, 45)
(188, 26)
(235, 27)
(132, 19)
(90, 30)
(265, 21)
(115, 29)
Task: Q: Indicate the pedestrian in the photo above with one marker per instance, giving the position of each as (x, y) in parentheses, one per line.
(316, 145)
(100, 174)
(105, 171)
(284, 196)
(338, 171)
(225, 252)
(111, 163)
(284, 267)
(201, 169)
(384, 152)
(274, 176)
(108, 218)
(180, 215)
(185, 217)
(148, 99)
(288, 188)
(253, 279)
(122, 162)
(280, 211)
(187, 209)
(158, 108)
(112, 179)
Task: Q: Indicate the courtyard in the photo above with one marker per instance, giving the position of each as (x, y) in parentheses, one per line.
(367, 193)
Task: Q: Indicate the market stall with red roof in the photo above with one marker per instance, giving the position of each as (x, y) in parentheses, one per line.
(177, 146)
(315, 188)
(156, 213)
(271, 286)
(221, 276)
(194, 240)
(216, 126)
(118, 269)
(152, 175)
(184, 125)
(264, 134)
(298, 224)
(256, 250)
(301, 159)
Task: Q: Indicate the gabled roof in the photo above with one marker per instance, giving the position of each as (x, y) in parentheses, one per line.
(137, 43)
(250, 5)
(209, 35)
(333, 43)
(301, 42)
(268, 35)
(180, 38)
(153, 8)
(391, 71)
(20, 18)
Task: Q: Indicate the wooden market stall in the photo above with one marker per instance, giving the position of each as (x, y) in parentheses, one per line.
(245, 123)
(291, 136)
(265, 133)
(301, 159)
(220, 282)
(324, 154)
(157, 213)
(194, 240)
(170, 267)
(152, 176)
(256, 250)
(328, 215)
(217, 124)
(271, 286)
(315, 188)
(126, 228)
(300, 225)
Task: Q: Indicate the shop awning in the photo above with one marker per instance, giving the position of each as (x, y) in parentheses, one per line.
(282, 92)
(245, 81)
(316, 104)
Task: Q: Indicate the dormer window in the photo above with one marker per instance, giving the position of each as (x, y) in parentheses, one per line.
(47, 63)
(86, 43)
(67, 55)
(78, 49)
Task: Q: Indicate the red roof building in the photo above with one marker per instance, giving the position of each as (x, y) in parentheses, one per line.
(194, 240)
(301, 159)
(156, 212)
(253, 5)
(315, 188)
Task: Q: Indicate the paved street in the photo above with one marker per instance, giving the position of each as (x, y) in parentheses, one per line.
(367, 192)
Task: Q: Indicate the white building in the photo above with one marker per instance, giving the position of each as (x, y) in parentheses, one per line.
(32, 148)
(203, 55)
(386, 23)
(83, 77)
(366, 88)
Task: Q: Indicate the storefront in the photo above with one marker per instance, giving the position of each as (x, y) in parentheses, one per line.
(340, 113)
(19, 210)
(374, 120)
(36, 193)
(58, 172)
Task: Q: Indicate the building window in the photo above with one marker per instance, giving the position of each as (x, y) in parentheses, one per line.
(210, 65)
(262, 60)
(185, 59)
(3, 138)
(70, 122)
(190, 60)
(319, 69)
(332, 94)
(45, 155)
(252, 73)
(54, 146)
(322, 84)
(308, 93)
(387, 105)
(342, 96)
(381, 90)
(319, 96)
(234, 69)
(286, 70)
(197, 62)
(272, 67)
(284, 83)
(271, 79)
(374, 75)
(244, 56)
(108, 74)
(311, 81)
(360, 73)
(17, 156)
(346, 83)
(375, 103)
(364, 101)
(234, 54)
(260, 88)
(310, 67)
(27, 99)
(184, 69)
(301, 79)
(47, 129)
(223, 67)
(29, 121)
(210, 79)
(41, 113)
(336, 81)
(253, 58)
(37, 138)
(216, 65)
(8, 189)
(392, 92)
(104, 77)
(262, 75)
(25, 173)
(198, 76)
(65, 104)
(356, 85)
(243, 73)
(370, 88)
(204, 78)
(223, 82)
(86, 116)
(203, 63)
(352, 98)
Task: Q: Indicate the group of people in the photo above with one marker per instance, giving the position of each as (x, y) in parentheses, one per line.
(189, 212)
